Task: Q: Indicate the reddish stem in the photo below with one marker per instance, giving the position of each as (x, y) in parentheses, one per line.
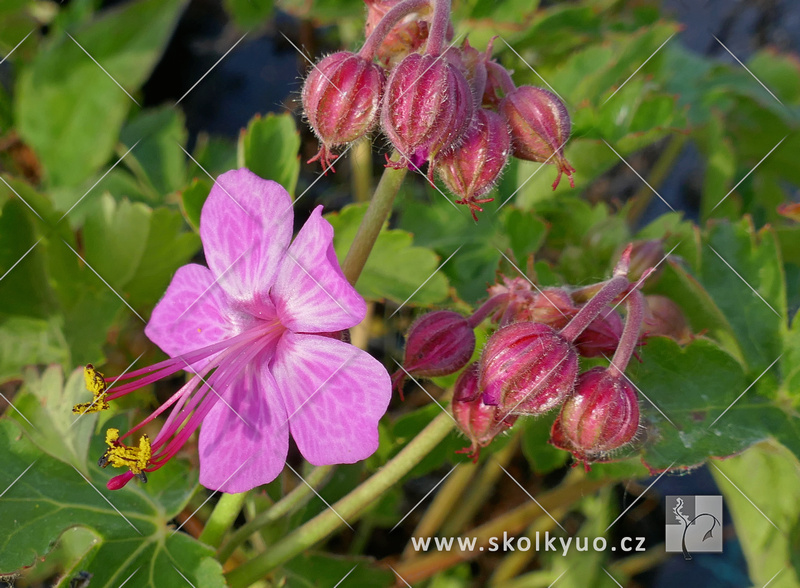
(630, 334)
(594, 307)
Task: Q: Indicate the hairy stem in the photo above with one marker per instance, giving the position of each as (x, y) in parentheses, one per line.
(594, 307)
(349, 508)
(439, 25)
(630, 334)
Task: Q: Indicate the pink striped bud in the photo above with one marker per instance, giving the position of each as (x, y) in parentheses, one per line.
(480, 422)
(427, 107)
(527, 368)
(438, 343)
(341, 98)
(662, 317)
(646, 255)
(473, 168)
(540, 126)
(602, 415)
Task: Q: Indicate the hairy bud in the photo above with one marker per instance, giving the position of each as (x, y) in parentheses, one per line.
(540, 126)
(480, 422)
(426, 108)
(438, 343)
(341, 99)
(601, 415)
(527, 368)
(662, 317)
(473, 168)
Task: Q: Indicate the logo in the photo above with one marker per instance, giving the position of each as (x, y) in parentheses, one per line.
(694, 525)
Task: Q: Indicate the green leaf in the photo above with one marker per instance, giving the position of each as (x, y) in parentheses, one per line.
(85, 107)
(53, 496)
(754, 301)
(166, 233)
(396, 269)
(115, 235)
(157, 161)
(29, 341)
(46, 401)
(480, 246)
(23, 282)
(769, 476)
(697, 388)
(192, 199)
(702, 313)
(269, 148)
(779, 72)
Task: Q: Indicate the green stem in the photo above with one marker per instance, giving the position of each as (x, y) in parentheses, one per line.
(222, 518)
(285, 505)
(378, 211)
(349, 508)
(361, 170)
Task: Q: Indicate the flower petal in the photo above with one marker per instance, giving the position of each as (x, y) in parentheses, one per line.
(311, 293)
(244, 439)
(246, 226)
(191, 315)
(334, 394)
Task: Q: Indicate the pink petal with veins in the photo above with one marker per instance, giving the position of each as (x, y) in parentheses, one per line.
(334, 394)
(244, 443)
(246, 226)
(191, 315)
(311, 293)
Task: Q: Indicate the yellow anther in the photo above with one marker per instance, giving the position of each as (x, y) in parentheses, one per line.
(85, 407)
(120, 455)
(96, 384)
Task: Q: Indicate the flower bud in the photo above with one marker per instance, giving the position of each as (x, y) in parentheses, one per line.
(407, 36)
(602, 415)
(477, 420)
(644, 256)
(662, 317)
(602, 335)
(527, 368)
(471, 63)
(427, 107)
(540, 125)
(552, 306)
(438, 343)
(472, 169)
(341, 98)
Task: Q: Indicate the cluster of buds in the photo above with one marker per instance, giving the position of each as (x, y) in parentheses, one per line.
(530, 364)
(453, 108)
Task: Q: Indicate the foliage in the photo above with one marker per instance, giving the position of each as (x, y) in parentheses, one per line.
(100, 200)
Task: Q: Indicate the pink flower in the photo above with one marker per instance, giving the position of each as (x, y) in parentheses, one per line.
(258, 329)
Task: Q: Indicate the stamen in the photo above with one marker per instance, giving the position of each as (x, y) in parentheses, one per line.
(120, 455)
(96, 384)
